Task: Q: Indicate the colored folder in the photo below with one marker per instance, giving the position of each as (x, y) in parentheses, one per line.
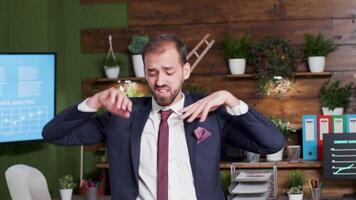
(339, 124)
(324, 127)
(351, 123)
(309, 137)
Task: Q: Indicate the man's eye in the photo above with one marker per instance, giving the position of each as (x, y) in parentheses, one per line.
(151, 73)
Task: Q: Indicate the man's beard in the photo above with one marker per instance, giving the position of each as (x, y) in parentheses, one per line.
(166, 101)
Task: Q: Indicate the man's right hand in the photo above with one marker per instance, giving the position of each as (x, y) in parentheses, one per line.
(113, 101)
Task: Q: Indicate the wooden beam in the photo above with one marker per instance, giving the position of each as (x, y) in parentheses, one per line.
(343, 31)
(149, 13)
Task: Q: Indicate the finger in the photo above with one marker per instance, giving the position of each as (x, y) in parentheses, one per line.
(121, 113)
(183, 110)
(125, 101)
(119, 101)
(205, 112)
(197, 111)
(191, 109)
(112, 96)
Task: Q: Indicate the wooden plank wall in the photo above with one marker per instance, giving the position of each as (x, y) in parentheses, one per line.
(191, 20)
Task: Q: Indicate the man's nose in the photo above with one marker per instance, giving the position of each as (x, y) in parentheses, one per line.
(161, 80)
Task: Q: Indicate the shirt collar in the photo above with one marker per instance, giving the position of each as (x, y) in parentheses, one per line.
(175, 107)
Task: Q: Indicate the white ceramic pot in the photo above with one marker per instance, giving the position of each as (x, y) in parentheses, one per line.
(138, 65)
(252, 157)
(66, 194)
(237, 65)
(316, 63)
(295, 196)
(278, 156)
(336, 111)
(112, 72)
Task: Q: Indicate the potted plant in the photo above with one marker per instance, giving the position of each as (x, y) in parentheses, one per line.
(111, 66)
(237, 52)
(274, 60)
(136, 47)
(66, 186)
(315, 49)
(284, 127)
(334, 97)
(295, 182)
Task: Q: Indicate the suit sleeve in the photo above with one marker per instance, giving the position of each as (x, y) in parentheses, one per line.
(250, 131)
(73, 127)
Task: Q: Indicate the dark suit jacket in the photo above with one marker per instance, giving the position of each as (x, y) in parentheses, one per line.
(250, 131)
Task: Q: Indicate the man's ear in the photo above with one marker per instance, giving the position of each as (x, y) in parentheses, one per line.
(186, 71)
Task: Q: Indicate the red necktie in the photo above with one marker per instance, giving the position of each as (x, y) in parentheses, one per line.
(162, 156)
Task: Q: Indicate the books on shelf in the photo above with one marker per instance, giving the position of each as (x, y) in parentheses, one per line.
(315, 126)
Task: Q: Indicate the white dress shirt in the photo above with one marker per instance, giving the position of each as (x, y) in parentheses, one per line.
(180, 177)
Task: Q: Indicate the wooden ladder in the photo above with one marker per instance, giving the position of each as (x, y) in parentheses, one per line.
(194, 51)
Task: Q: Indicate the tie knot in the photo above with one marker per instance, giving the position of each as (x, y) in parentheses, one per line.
(165, 114)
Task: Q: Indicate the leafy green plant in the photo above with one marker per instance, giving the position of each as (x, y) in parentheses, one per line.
(295, 190)
(317, 45)
(295, 181)
(237, 48)
(333, 94)
(66, 182)
(284, 126)
(138, 44)
(274, 60)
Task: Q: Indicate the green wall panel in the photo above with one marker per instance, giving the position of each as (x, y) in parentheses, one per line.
(54, 26)
(27, 25)
(104, 15)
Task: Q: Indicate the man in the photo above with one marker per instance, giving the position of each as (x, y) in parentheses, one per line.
(146, 160)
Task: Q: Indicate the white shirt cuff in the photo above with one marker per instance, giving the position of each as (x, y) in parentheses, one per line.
(83, 107)
(240, 109)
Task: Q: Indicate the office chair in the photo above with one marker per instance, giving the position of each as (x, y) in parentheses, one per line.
(26, 183)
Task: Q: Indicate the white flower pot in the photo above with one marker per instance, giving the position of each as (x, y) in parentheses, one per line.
(237, 65)
(138, 65)
(278, 156)
(112, 72)
(252, 157)
(66, 194)
(316, 63)
(336, 111)
(295, 196)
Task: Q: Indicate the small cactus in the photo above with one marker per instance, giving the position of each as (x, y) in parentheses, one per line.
(66, 182)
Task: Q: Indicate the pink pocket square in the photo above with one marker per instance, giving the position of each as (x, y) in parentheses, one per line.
(201, 134)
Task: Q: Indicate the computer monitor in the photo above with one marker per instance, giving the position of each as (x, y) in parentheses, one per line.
(27, 94)
(339, 155)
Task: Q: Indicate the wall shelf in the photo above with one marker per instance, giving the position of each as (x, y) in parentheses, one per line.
(244, 165)
(304, 164)
(297, 75)
(118, 79)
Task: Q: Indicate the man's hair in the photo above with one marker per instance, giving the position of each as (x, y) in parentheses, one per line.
(158, 44)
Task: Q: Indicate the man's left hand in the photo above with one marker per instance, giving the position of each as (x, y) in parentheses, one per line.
(201, 108)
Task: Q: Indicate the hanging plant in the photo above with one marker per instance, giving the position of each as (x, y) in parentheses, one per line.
(274, 61)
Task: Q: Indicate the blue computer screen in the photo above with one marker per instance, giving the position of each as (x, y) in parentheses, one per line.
(27, 95)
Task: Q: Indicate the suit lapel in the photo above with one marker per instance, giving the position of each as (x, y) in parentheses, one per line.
(139, 119)
(191, 140)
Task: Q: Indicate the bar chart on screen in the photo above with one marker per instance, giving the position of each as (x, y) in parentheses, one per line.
(340, 156)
